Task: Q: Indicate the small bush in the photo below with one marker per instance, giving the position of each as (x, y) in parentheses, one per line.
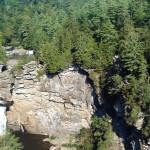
(103, 133)
(85, 139)
(3, 57)
(40, 72)
(10, 142)
(52, 137)
(22, 60)
(95, 77)
(69, 145)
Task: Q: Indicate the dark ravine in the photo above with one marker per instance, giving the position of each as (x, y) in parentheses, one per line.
(130, 135)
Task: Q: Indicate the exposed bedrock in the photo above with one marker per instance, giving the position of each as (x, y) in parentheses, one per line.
(57, 105)
(60, 105)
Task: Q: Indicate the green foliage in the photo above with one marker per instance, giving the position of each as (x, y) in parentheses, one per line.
(1, 38)
(116, 84)
(3, 57)
(103, 132)
(22, 61)
(52, 137)
(86, 140)
(95, 78)
(40, 72)
(10, 142)
(132, 55)
(56, 59)
(69, 145)
(100, 136)
(132, 115)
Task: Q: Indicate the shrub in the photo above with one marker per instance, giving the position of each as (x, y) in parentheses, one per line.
(103, 133)
(40, 72)
(10, 142)
(3, 57)
(52, 137)
(22, 60)
(95, 77)
(69, 145)
(86, 140)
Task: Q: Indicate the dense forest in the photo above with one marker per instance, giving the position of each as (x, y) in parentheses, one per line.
(109, 37)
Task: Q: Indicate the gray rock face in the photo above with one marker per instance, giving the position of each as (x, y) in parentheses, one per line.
(6, 81)
(57, 105)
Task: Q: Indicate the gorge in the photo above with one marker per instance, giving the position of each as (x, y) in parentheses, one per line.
(57, 105)
(77, 71)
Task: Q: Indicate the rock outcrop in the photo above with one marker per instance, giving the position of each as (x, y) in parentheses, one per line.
(57, 105)
(6, 82)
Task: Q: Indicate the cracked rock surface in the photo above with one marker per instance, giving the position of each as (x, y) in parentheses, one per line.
(57, 105)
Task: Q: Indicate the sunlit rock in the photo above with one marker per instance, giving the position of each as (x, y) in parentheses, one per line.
(57, 105)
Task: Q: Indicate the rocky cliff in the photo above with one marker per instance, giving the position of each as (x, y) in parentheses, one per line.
(6, 81)
(57, 105)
